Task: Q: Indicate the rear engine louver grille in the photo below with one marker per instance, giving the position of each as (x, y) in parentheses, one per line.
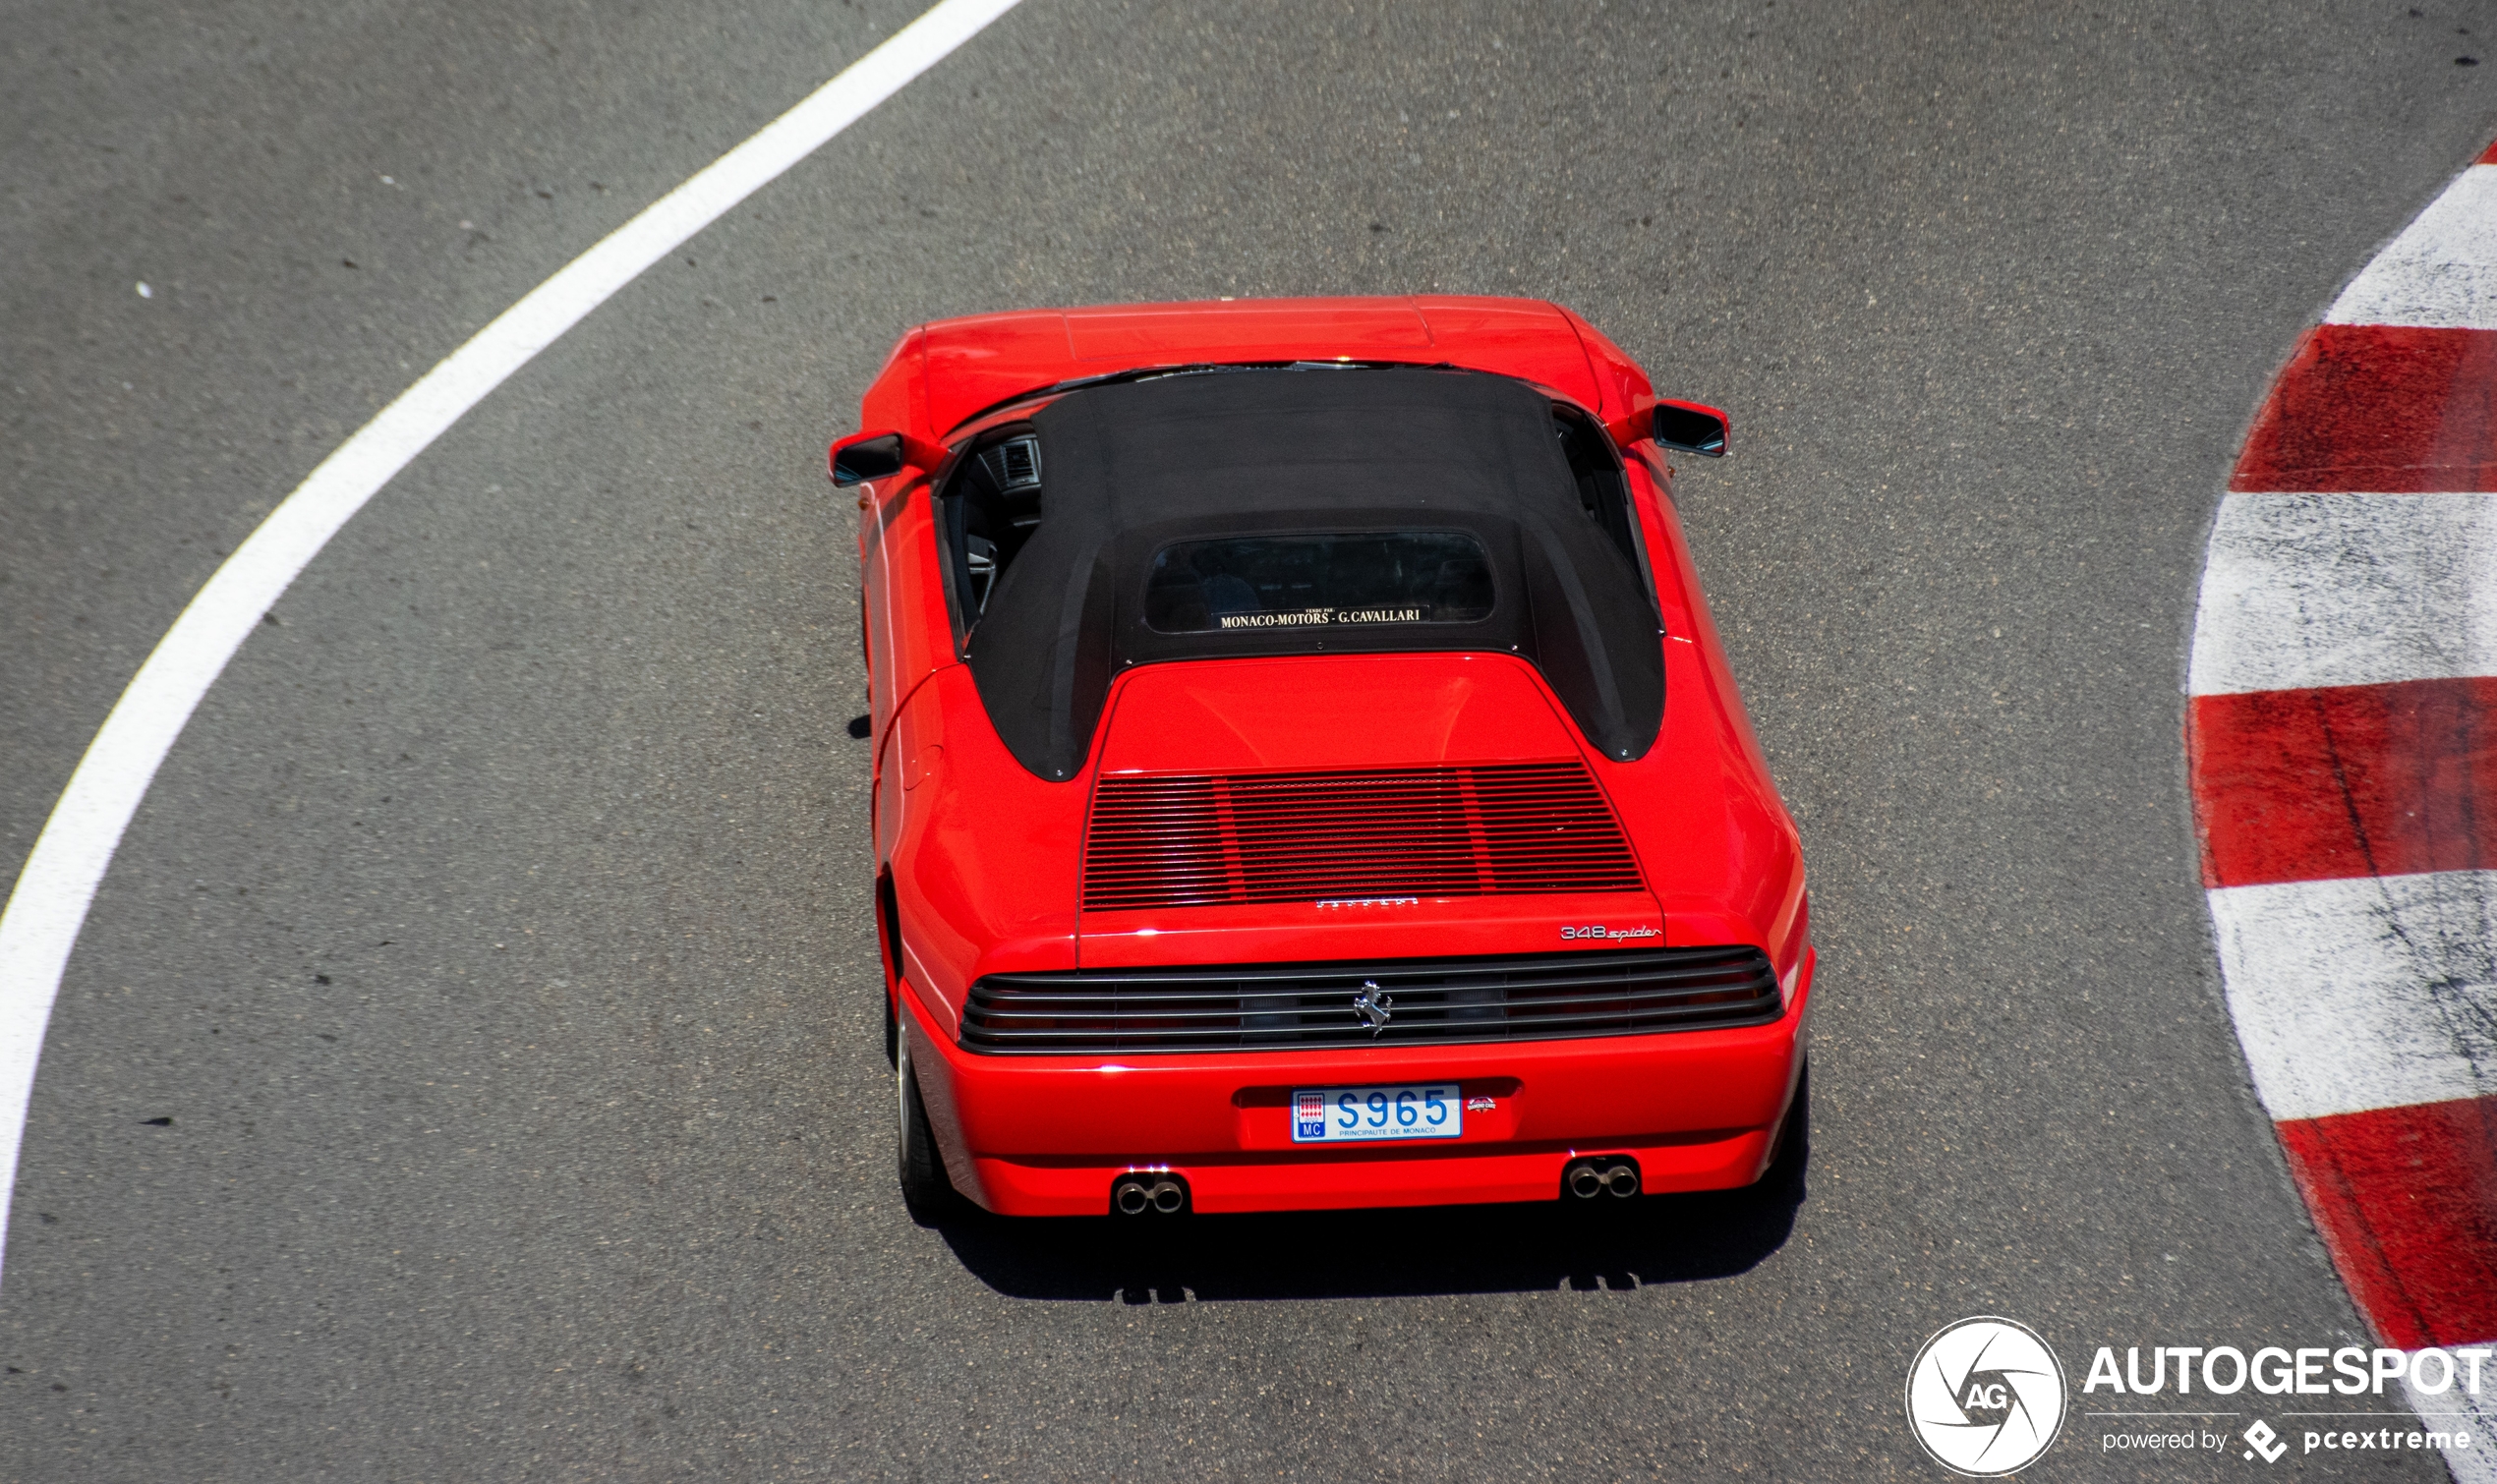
(1319, 836)
(1548, 996)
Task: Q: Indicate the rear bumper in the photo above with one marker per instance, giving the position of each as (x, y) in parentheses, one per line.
(1047, 1135)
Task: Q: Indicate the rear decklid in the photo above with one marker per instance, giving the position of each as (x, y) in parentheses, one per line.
(1315, 809)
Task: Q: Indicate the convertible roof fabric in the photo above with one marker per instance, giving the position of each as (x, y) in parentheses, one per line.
(1133, 467)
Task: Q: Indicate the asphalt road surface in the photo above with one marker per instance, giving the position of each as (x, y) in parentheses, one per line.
(496, 938)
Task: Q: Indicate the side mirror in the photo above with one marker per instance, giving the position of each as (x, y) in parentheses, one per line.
(866, 456)
(1692, 428)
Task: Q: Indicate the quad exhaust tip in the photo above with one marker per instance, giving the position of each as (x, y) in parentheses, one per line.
(1149, 1192)
(1603, 1175)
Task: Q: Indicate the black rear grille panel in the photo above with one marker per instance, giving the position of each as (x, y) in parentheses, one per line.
(1435, 1001)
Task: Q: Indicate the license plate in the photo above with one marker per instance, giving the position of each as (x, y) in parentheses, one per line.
(1361, 1114)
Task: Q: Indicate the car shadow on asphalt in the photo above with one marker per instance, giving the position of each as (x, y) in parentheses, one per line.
(1603, 1245)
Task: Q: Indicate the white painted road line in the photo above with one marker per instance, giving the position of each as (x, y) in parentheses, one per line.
(2367, 993)
(2441, 271)
(49, 904)
(2315, 590)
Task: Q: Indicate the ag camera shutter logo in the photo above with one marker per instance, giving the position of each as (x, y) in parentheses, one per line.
(1985, 1397)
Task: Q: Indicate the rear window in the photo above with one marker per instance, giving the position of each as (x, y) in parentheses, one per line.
(1247, 583)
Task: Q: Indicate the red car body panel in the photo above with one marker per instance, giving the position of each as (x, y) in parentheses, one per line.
(967, 365)
(1699, 1110)
(984, 859)
(1309, 714)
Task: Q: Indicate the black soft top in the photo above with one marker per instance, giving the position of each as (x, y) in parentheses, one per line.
(1134, 466)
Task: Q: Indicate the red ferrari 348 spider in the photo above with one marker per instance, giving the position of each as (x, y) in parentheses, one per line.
(1305, 772)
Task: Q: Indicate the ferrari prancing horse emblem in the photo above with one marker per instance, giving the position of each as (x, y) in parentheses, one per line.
(1373, 1006)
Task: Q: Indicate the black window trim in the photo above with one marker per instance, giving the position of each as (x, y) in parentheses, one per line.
(1591, 430)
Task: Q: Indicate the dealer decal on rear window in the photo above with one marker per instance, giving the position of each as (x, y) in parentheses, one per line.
(1311, 617)
(1319, 580)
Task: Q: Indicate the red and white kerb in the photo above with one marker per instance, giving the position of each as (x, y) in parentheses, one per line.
(2342, 736)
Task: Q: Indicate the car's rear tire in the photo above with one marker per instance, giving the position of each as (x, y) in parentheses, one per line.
(889, 946)
(1794, 1138)
(925, 1188)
